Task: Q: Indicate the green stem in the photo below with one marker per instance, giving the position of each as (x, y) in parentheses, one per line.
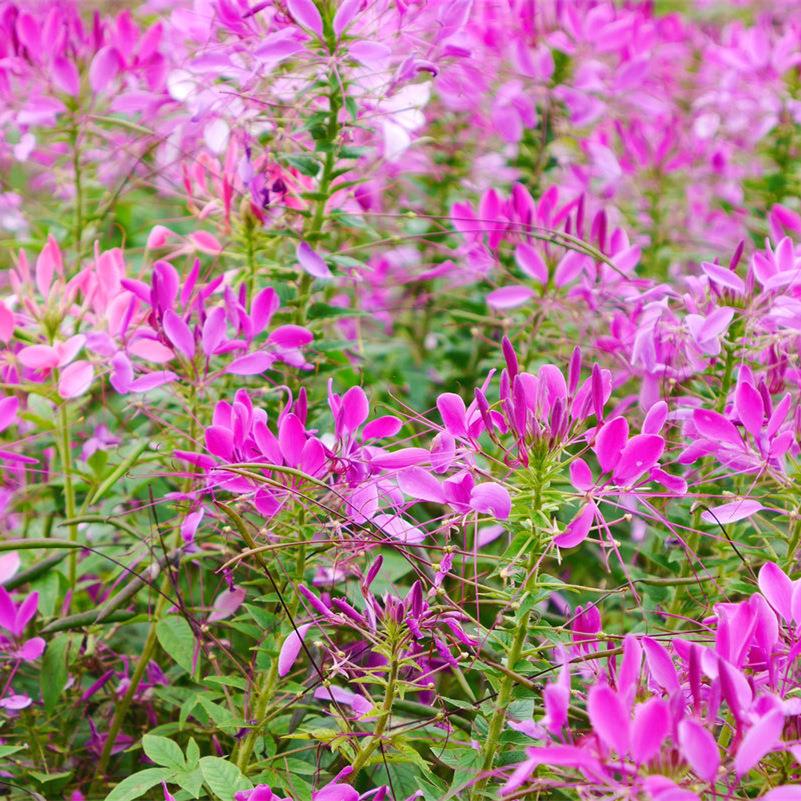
(244, 748)
(76, 167)
(383, 718)
(502, 701)
(69, 488)
(121, 710)
(312, 233)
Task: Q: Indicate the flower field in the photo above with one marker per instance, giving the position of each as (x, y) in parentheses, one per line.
(400, 399)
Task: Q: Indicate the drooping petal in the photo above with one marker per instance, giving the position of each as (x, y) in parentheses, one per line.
(291, 648)
(578, 528)
(226, 603)
(312, 262)
(731, 512)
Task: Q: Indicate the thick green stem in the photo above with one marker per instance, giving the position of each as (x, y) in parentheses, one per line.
(383, 718)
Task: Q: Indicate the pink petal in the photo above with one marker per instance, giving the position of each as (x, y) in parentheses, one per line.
(724, 276)
(777, 589)
(581, 475)
(76, 379)
(761, 738)
(220, 442)
(609, 718)
(578, 528)
(641, 453)
(491, 498)
(15, 702)
(660, 664)
(353, 410)
(382, 427)
(731, 512)
(291, 648)
(291, 336)
(345, 14)
(750, 410)
(9, 565)
(8, 412)
(699, 748)
(291, 439)
(649, 729)
(453, 413)
(422, 486)
(213, 330)
(399, 528)
(252, 364)
(509, 297)
(610, 441)
(784, 792)
(715, 426)
(206, 242)
(105, 66)
(39, 357)
(226, 603)
(655, 418)
(312, 262)
(306, 14)
(569, 268)
(152, 381)
(264, 306)
(179, 334)
(31, 649)
(530, 262)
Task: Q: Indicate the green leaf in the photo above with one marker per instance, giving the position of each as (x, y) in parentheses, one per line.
(53, 678)
(192, 754)
(138, 784)
(222, 778)
(221, 716)
(189, 780)
(163, 751)
(176, 638)
(8, 750)
(305, 165)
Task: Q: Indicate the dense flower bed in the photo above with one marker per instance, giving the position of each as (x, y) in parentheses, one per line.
(401, 399)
